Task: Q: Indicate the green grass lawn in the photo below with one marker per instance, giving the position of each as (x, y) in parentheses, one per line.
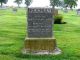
(13, 32)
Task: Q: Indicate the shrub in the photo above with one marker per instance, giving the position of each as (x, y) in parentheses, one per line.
(58, 19)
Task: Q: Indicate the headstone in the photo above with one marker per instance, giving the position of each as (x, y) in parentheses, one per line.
(3, 7)
(40, 38)
(65, 10)
(78, 11)
(55, 12)
(14, 9)
(40, 22)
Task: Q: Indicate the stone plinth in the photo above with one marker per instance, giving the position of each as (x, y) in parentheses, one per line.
(40, 46)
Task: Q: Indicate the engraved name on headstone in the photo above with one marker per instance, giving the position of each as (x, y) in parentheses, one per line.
(40, 22)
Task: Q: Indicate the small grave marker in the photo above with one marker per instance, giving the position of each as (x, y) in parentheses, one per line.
(15, 9)
(78, 11)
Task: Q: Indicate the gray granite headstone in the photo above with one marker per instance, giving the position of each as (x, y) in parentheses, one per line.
(65, 11)
(15, 10)
(78, 11)
(40, 22)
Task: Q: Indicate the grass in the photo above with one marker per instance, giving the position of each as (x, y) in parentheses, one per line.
(13, 32)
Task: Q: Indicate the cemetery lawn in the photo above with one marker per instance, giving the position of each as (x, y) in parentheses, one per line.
(13, 32)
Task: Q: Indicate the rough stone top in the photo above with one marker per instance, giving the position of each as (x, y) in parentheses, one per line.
(39, 10)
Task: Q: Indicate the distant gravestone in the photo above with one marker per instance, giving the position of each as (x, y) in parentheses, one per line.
(65, 10)
(40, 38)
(3, 7)
(14, 10)
(55, 12)
(78, 11)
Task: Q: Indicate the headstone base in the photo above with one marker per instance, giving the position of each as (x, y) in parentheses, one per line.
(41, 46)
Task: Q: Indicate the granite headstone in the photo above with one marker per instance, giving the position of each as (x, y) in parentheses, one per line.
(14, 10)
(40, 38)
(40, 22)
(78, 11)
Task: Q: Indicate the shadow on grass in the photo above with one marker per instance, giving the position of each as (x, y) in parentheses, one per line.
(49, 57)
(28, 56)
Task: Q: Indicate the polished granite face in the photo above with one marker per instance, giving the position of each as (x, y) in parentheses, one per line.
(40, 22)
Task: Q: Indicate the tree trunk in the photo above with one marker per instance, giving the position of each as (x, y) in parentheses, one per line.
(1, 4)
(53, 9)
(71, 8)
(18, 6)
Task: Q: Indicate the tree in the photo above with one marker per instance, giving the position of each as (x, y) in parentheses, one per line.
(3, 1)
(28, 2)
(18, 2)
(54, 3)
(67, 3)
(70, 3)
